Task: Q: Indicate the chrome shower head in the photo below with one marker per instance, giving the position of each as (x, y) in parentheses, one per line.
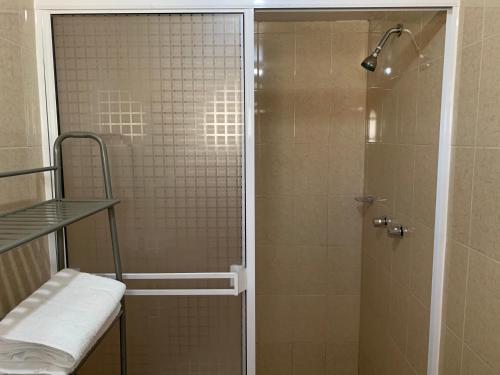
(370, 63)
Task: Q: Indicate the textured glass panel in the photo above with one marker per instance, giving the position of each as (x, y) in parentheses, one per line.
(175, 335)
(165, 92)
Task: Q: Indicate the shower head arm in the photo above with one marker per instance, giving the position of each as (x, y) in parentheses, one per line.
(394, 30)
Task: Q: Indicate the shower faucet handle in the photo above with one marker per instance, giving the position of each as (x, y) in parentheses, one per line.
(382, 221)
(396, 230)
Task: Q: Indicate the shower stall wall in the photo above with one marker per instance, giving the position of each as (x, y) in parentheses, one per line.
(318, 114)
(402, 137)
(310, 99)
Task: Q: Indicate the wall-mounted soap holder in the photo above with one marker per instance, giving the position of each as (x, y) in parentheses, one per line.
(369, 199)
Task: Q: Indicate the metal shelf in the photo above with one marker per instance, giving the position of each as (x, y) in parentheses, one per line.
(24, 225)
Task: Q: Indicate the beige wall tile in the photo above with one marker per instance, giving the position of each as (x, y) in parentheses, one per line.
(310, 220)
(11, 20)
(309, 359)
(12, 108)
(472, 21)
(488, 133)
(313, 115)
(342, 359)
(349, 78)
(482, 329)
(351, 26)
(421, 264)
(432, 34)
(408, 55)
(389, 123)
(473, 365)
(274, 169)
(313, 60)
(382, 298)
(484, 224)
(275, 27)
(310, 316)
(276, 60)
(379, 171)
(275, 318)
(343, 318)
(470, 289)
(403, 157)
(347, 124)
(345, 169)
(374, 116)
(17, 191)
(344, 221)
(316, 138)
(275, 220)
(461, 192)
(398, 314)
(424, 199)
(375, 236)
(312, 270)
(365, 365)
(451, 354)
(491, 13)
(276, 269)
(457, 258)
(274, 359)
(428, 103)
(401, 259)
(275, 118)
(310, 163)
(24, 269)
(368, 286)
(467, 95)
(397, 362)
(344, 270)
(322, 27)
(407, 106)
(418, 336)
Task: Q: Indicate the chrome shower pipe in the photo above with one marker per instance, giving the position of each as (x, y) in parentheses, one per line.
(398, 29)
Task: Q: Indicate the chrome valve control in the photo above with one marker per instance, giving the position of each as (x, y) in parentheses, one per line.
(381, 221)
(396, 230)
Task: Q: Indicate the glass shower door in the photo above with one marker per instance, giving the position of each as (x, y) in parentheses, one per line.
(165, 91)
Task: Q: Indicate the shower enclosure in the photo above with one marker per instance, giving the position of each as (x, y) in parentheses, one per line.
(335, 293)
(251, 152)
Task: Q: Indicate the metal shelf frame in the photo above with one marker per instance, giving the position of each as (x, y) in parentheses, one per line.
(27, 224)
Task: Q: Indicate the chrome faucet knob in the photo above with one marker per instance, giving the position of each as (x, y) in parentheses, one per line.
(381, 221)
(396, 230)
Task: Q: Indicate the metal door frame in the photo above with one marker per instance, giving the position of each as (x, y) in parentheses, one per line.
(241, 278)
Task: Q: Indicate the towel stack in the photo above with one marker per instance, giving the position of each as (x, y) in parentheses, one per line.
(51, 331)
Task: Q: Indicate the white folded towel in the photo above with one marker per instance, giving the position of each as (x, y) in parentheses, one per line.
(51, 331)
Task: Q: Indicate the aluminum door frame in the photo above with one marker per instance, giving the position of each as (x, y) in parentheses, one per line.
(241, 277)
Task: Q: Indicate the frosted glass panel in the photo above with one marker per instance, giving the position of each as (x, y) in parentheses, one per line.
(165, 93)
